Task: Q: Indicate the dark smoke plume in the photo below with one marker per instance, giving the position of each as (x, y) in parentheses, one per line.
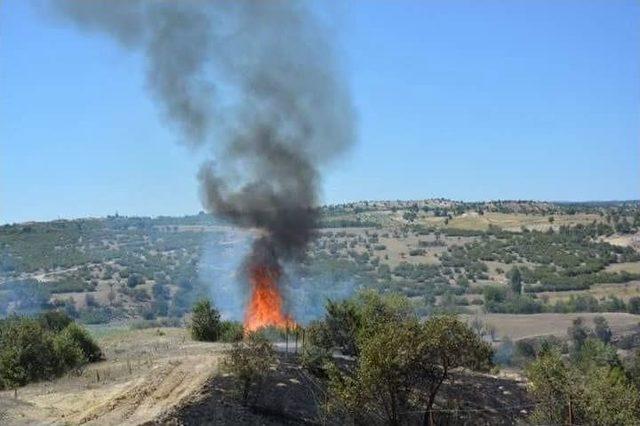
(258, 82)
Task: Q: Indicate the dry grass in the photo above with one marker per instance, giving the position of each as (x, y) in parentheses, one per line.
(523, 326)
(632, 267)
(624, 291)
(146, 373)
(514, 221)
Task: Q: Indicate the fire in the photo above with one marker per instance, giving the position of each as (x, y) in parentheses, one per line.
(265, 307)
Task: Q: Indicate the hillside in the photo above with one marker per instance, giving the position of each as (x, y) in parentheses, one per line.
(444, 255)
(520, 274)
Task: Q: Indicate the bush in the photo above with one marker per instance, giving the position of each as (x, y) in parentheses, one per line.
(54, 321)
(417, 252)
(99, 315)
(156, 323)
(134, 280)
(26, 353)
(584, 393)
(69, 284)
(633, 306)
(395, 361)
(231, 331)
(68, 351)
(205, 322)
(79, 335)
(39, 348)
(249, 361)
(314, 359)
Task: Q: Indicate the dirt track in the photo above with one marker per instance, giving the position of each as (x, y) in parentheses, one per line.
(147, 373)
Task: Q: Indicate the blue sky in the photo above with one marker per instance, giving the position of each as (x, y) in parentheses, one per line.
(466, 100)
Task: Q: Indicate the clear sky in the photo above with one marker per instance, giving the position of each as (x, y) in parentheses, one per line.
(466, 100)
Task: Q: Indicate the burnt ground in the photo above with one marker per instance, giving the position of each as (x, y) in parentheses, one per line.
(290, 396)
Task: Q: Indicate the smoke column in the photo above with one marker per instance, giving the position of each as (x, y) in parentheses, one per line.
(257, 82)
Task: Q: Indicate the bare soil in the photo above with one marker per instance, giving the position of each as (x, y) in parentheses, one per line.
(147, 372)
(290, 396)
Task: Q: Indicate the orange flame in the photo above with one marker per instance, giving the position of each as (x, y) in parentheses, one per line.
(265, 306)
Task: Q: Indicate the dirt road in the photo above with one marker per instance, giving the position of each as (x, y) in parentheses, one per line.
(147, 373)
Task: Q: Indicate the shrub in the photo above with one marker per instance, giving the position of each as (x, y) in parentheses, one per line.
(156, 323)
(98, 315)
(398, 358)
(231, 331)
(26, 353)
(68, 285)
(85, 342)
(633, 306)
(589, 393)
(314, 359)
(134, 280)
(417, 252)
(39, 348)
(68, 351)
(54, 321)
(205, 322)
(249, 361)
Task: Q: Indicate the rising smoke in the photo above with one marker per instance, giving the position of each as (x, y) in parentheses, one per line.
(258, 83)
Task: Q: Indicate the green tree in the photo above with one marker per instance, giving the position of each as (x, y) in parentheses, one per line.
(410, 216)
(348, 321)
(608, 399)
(552, 384)
(588, 391)
(385, 374)
(90, 349)
(205, 322)
(342, 321)
(401, 358)
(602, 329)
(54, 321)
(26, 353)
(633, 369)
(68, 351)
(446, 343)
(515, 280)
(633, 305)
(578, 333)
(134, 280)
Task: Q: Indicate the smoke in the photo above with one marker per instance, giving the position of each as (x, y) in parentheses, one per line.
(220, 263)
(257, 83)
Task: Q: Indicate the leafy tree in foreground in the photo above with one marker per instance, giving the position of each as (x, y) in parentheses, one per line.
(592, 390)
(347, 322)
(446, 343)
(342, 322)
(553, 385)
(401, 361)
